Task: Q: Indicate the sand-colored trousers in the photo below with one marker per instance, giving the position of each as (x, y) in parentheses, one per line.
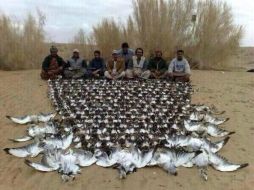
(185, 78)
(116, 75)
(74, 74)
(137, 73)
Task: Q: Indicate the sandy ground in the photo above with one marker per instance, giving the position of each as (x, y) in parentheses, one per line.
(23, 92)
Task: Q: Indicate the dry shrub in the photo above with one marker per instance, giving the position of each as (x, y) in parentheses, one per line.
(84, 43)
(209, 40)
(22, 44)
(216, 37)
(162, 24)
(107, 36)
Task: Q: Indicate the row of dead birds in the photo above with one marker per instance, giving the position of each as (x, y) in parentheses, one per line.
(186, 146)
(126, 125)
(99, 101)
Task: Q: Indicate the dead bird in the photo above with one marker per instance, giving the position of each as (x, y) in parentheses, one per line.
(22, 139)
(30, 150)
(32, 118)
(66, 163)
(195, 143)
(206, 109)
(207, 128)
(197, 116)
(203, 160)
(48, 128)
(59, 142)
(171, 158)
(125, 160)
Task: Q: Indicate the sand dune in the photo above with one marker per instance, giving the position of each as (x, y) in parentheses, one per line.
(22, 92)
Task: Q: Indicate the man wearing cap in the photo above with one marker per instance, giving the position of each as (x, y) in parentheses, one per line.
(75, 67)
(96, 67)
(179, 68)
(137, 66)
(52, 65)
(115, 67)
(157, 66)
(126, 53)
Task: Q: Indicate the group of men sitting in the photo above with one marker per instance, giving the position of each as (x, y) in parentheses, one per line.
(125, 63)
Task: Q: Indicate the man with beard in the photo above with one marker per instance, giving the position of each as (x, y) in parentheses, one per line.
(137, 66)
(52, 65)
(179, 68)
(157, 66)
(96, 67)
(115, 67)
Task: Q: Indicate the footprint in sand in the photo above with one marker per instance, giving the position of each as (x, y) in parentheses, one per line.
(245, 184)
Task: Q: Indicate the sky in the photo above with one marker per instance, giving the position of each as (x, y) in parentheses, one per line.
(66, 17)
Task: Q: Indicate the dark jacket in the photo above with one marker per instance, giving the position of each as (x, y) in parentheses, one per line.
(96, 64)
(47, 60)
(157, 64)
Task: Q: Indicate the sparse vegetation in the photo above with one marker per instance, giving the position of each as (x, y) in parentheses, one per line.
(107, 36)
(216, 37)
(84, 44)
(203, 28)
(22, 44)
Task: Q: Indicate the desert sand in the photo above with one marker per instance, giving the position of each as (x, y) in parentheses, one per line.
(22, 92)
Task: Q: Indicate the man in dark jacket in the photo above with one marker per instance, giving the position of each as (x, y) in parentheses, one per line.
(52, 65)
(96, 67)
(157, 66)
(75, 67)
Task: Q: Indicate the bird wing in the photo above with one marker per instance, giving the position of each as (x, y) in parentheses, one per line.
(201, 160)
(144, 158)
(28, 150)
(22, 139)
(84, 158)
(62, 143)
(181, 157)
(51, 158)
(46, 117)
(194, 127)
(20, 120)
(18, 152)
(54, 143)
(105, 161)
(215, 131)
(67, 141)
(222, 164)
(40, 167)
(213, 120)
